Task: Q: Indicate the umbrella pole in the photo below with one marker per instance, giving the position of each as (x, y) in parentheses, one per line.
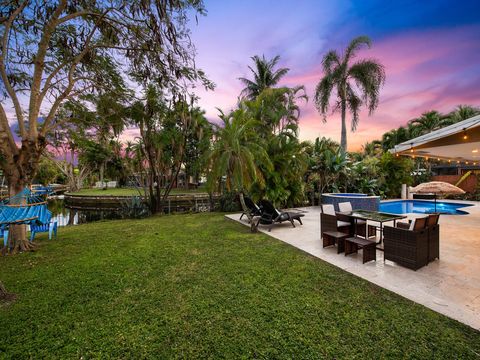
(435, 197)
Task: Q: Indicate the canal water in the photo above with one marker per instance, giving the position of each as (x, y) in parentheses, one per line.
(66, 216)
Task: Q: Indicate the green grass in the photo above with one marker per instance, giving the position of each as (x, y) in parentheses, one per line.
(200, 286)
(129, 192)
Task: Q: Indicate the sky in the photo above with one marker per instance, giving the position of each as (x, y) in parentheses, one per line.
(430, 50)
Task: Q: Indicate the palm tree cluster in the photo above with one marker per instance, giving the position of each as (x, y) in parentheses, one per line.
(257, 148)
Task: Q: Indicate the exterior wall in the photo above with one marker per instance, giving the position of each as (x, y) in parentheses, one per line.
(469, 184)
(365, 202)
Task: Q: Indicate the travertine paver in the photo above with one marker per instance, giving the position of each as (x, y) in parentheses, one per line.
(450, 286)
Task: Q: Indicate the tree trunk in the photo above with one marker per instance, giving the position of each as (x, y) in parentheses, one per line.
(18, 241)
(343, 141)
(102, 171)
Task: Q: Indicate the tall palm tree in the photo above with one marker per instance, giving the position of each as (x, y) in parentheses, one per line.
(264, 76)
(356, 84)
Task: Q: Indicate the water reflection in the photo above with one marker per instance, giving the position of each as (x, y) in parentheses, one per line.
(65, 216)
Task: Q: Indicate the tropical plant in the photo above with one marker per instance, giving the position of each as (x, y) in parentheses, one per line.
(198, 144)
(428, 122)
(463, 112)
(395, 137)
(372, 148)
(264, 76)
(396, 171)
(329, 165)
(355, 84)
(237, 153)
(277, 110)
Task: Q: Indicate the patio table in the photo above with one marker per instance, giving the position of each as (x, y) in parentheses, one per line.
(375, 216)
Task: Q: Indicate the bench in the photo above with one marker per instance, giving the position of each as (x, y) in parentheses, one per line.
(352, 244)
(332, 237)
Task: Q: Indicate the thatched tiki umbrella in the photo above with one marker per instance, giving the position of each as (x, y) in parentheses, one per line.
(437, 187)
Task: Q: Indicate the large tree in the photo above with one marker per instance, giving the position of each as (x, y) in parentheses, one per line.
(165, 124)
(53, 51)
(264, 76)
(355, 84)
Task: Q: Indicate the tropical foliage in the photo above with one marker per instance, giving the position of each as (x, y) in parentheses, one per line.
(264, 76)
(266, 122)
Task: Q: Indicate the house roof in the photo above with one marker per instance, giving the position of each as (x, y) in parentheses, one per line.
(458, 142)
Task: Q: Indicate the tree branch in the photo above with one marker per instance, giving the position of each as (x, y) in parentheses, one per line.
(3, 70)
(39, 66)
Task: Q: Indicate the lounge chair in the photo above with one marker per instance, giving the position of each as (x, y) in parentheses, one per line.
(250, 209)
(271, 216)
(50, 227)
(407, 247)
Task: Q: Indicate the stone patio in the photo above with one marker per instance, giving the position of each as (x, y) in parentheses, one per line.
(450, 286)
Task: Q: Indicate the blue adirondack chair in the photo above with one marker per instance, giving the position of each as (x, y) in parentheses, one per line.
(4, 235)
(50, 227)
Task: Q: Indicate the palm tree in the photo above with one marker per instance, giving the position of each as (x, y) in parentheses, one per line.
(237, 153)
(264, 76)
(372, 148)
(395, 137)
(463, 112)
(429, 121)
(356, 84)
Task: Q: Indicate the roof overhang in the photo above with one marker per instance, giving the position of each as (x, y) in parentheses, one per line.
(459, 142)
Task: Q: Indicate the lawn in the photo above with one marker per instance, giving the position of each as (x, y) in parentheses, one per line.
(201, 286)
(130, 192)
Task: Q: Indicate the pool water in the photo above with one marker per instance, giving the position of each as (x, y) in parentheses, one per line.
(422, 207)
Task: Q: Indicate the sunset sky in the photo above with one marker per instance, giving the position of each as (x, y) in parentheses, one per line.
(430, 49)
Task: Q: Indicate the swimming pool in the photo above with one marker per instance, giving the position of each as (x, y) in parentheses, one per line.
(422, 207)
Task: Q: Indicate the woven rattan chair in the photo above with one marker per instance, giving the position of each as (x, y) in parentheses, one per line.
(330, 222)
(407, 247)
(433, 237)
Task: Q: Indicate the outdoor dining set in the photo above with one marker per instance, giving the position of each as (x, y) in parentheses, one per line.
(410, 244)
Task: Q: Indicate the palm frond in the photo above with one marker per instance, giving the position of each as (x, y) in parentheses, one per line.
(355, 45)
(369, 76)
(330, 61)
